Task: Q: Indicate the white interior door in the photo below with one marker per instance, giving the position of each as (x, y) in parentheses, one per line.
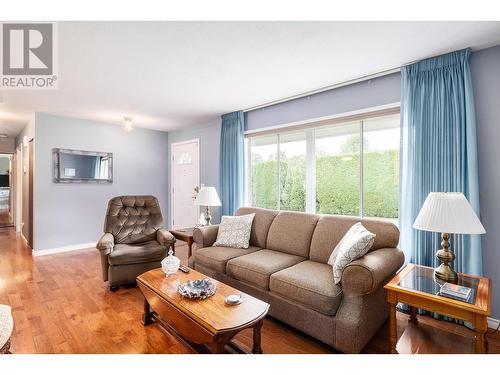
(185, 176)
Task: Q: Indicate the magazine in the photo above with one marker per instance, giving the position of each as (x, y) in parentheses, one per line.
(455, 291)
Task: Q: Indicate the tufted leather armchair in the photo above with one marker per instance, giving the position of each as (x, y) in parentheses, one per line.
(134, 240)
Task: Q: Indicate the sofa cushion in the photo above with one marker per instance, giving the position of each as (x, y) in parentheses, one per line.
(330, 229)
(260, 225)
(310, 284)
(291, 233)
(256, 268)
(234, 231)
(216, 257)
(356, 243)
(137, 253)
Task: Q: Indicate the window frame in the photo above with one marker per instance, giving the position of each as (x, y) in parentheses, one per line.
(309, 127)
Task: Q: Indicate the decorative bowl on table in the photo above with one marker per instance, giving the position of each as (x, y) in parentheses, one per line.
(197, 289)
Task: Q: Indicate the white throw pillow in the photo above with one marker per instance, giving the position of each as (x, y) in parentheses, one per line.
(234, 231)
(355, 243)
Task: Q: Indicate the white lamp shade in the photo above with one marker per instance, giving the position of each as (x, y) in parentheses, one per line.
(448, 213)
(207, 197)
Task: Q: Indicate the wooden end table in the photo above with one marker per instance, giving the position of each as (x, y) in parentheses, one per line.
(186, 235)
(416, 286)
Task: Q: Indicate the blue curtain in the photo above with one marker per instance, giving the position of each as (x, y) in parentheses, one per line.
(438, 153)
(232, 164)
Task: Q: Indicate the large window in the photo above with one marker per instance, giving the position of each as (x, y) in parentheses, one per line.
(349, 168)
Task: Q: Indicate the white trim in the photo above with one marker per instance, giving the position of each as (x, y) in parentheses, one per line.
(325, 118)
(19, 189)
(170, 157)
(493, 323)
(63, 249)
(278, 173)
(310, 171)
(361, 169)
(248, 177)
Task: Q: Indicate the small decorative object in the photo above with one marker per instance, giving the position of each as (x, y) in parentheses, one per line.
(197, 289)
(234, 299)
(207, 197)
(196, 190)
(170, 264)
(447, 213)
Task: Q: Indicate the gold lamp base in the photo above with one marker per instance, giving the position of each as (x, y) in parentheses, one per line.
(444, 271)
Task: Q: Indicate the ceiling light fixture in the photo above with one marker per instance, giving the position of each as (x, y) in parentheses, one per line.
(3, 135)
(127, 124)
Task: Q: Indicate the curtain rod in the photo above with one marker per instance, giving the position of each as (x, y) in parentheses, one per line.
(325, 88)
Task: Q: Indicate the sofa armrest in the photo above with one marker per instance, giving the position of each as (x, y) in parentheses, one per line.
(164, 237)
(106, 243)
(368, 273)
(205, 236)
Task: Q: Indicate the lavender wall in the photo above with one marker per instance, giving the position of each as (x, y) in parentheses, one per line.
(72, 214)
(361, 95)
(485, 66)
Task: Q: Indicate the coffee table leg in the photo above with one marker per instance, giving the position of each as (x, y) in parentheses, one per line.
(146, 317)
(256, 338)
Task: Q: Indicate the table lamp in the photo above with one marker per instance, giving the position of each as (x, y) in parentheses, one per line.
(447, 213)
(207, 197)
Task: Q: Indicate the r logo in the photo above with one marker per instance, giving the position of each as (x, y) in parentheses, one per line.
(27, 49)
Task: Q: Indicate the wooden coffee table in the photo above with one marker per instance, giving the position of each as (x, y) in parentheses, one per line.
(203, 325)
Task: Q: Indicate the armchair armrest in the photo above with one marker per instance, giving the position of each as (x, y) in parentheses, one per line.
(368, 273)
(106, 243)
(164, 237)
(205, 236)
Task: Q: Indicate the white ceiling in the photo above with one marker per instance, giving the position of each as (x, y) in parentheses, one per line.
(168, 75)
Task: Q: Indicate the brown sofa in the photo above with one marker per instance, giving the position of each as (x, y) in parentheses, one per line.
(286, 265)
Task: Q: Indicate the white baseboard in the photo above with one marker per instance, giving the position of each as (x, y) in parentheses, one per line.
(493, 323)
(63, 249)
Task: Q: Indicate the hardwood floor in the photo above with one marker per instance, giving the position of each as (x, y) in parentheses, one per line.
(61, 305)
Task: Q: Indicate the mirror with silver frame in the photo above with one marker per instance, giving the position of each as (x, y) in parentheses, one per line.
(75, 166)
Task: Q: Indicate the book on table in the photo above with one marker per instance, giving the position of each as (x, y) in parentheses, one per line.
(455, 291)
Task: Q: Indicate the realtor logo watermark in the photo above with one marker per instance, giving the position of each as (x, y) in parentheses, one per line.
(28, 56)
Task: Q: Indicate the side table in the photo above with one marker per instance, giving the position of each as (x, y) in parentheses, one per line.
(186, 235)
(416, 286)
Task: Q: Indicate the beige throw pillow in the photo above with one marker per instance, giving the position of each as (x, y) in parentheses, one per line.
(234, 231)
(355, 243)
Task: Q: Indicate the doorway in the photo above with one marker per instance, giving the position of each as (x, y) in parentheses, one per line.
(185, 177)
(6, 191)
